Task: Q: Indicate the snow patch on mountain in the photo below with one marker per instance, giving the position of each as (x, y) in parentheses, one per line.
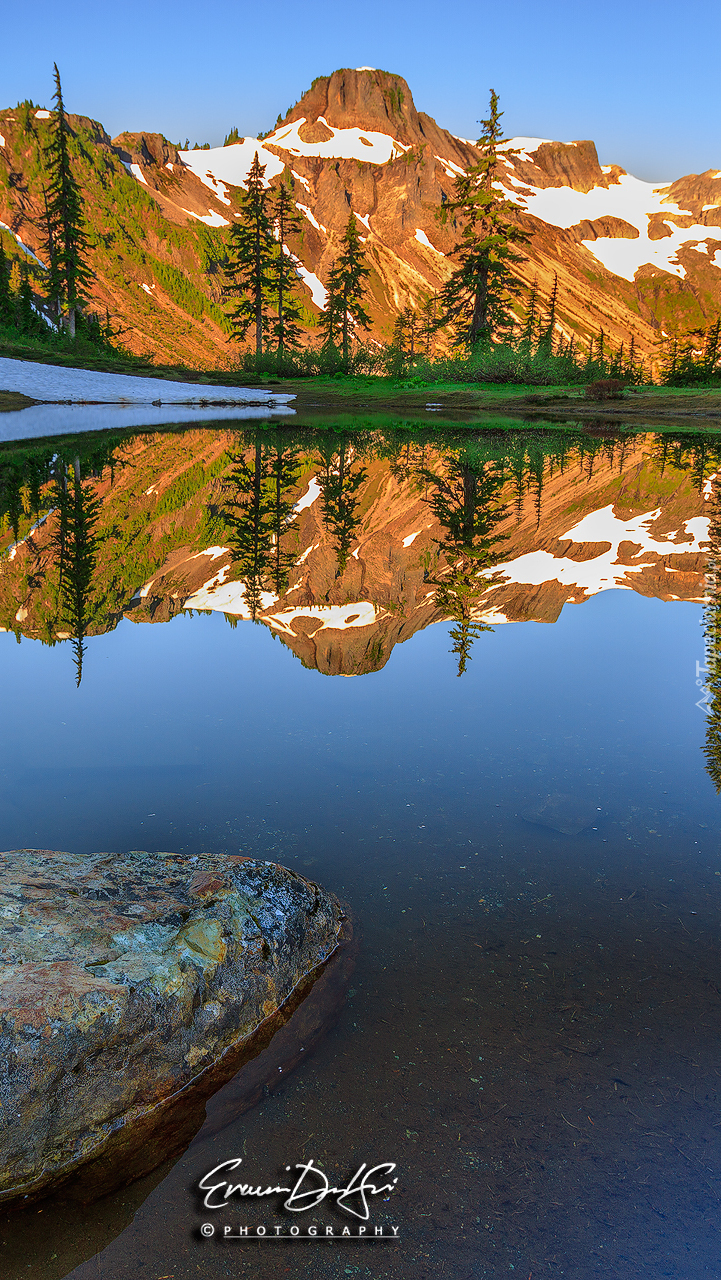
(345, 144)
(310, 216)
(230, 165)
(138, 173)
(211, 219)
(635, 202)
(22, 245)
(422, 238)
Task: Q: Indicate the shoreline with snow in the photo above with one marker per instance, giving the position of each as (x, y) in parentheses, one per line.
(52, 384)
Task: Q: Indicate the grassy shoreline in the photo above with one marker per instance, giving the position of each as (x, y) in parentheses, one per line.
(440, 400)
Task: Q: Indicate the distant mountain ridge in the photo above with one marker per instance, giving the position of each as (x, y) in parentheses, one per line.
(632, 259)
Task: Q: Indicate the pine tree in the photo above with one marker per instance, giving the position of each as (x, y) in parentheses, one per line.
(429, 321)
(712, 349)
(7, 301)
(476, 299)
(252, 251)
(284, 274)
(66, 238)
(545, 341)
(530, 324)
(346, 292)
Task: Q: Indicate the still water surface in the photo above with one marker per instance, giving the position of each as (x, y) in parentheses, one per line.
(531, 1032)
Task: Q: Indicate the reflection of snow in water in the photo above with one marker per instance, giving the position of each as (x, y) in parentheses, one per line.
(604, 572)
(337, 616)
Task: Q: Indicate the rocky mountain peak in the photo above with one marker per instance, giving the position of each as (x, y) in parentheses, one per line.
(150, 149)
(378, 101)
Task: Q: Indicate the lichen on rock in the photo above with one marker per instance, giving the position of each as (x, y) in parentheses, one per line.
(131, 988)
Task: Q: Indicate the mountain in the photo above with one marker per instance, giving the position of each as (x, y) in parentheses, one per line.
(633, 258)
(372, 534)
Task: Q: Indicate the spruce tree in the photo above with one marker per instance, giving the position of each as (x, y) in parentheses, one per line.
(346, 292)
(429, 321)
(530, 324)
(249, 271)
(476, 298)
(7, 301)
(545, 341)
(66, 238)
(284, 274)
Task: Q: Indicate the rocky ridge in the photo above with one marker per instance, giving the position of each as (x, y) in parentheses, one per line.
(355, 141)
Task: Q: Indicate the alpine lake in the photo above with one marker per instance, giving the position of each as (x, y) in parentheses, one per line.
(462, 675)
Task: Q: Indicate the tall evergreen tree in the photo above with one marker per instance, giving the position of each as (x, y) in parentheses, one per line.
(67, 269)
(476, 298)
(429, 321)
(284, 273)
(346, 292)
(545, 341)
(249, 271)
(530, 324)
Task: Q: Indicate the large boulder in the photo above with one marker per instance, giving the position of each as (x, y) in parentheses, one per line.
(131, 988)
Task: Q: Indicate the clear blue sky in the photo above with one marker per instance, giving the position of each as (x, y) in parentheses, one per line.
(640, 77)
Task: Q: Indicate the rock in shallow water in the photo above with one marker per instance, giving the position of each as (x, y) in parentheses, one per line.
(130, 988)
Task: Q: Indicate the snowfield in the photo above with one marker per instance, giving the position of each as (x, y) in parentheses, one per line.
(230, 165)
(634, 201)
(55, 385)
(345, 144)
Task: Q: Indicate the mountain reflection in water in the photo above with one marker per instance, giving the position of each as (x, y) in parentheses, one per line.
(526, 1034)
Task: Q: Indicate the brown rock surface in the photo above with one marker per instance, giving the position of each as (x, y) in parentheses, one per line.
(131, 988)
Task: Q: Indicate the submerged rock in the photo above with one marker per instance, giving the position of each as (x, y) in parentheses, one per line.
(563, 813)
(131, 988)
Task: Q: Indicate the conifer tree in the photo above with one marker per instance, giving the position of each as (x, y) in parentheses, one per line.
(7, 302)
(476, 298)
(66, 238)
(252, 251)
(530, 324)
(429, 321)
(284, 274)
(346, 292)
(545, 342)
